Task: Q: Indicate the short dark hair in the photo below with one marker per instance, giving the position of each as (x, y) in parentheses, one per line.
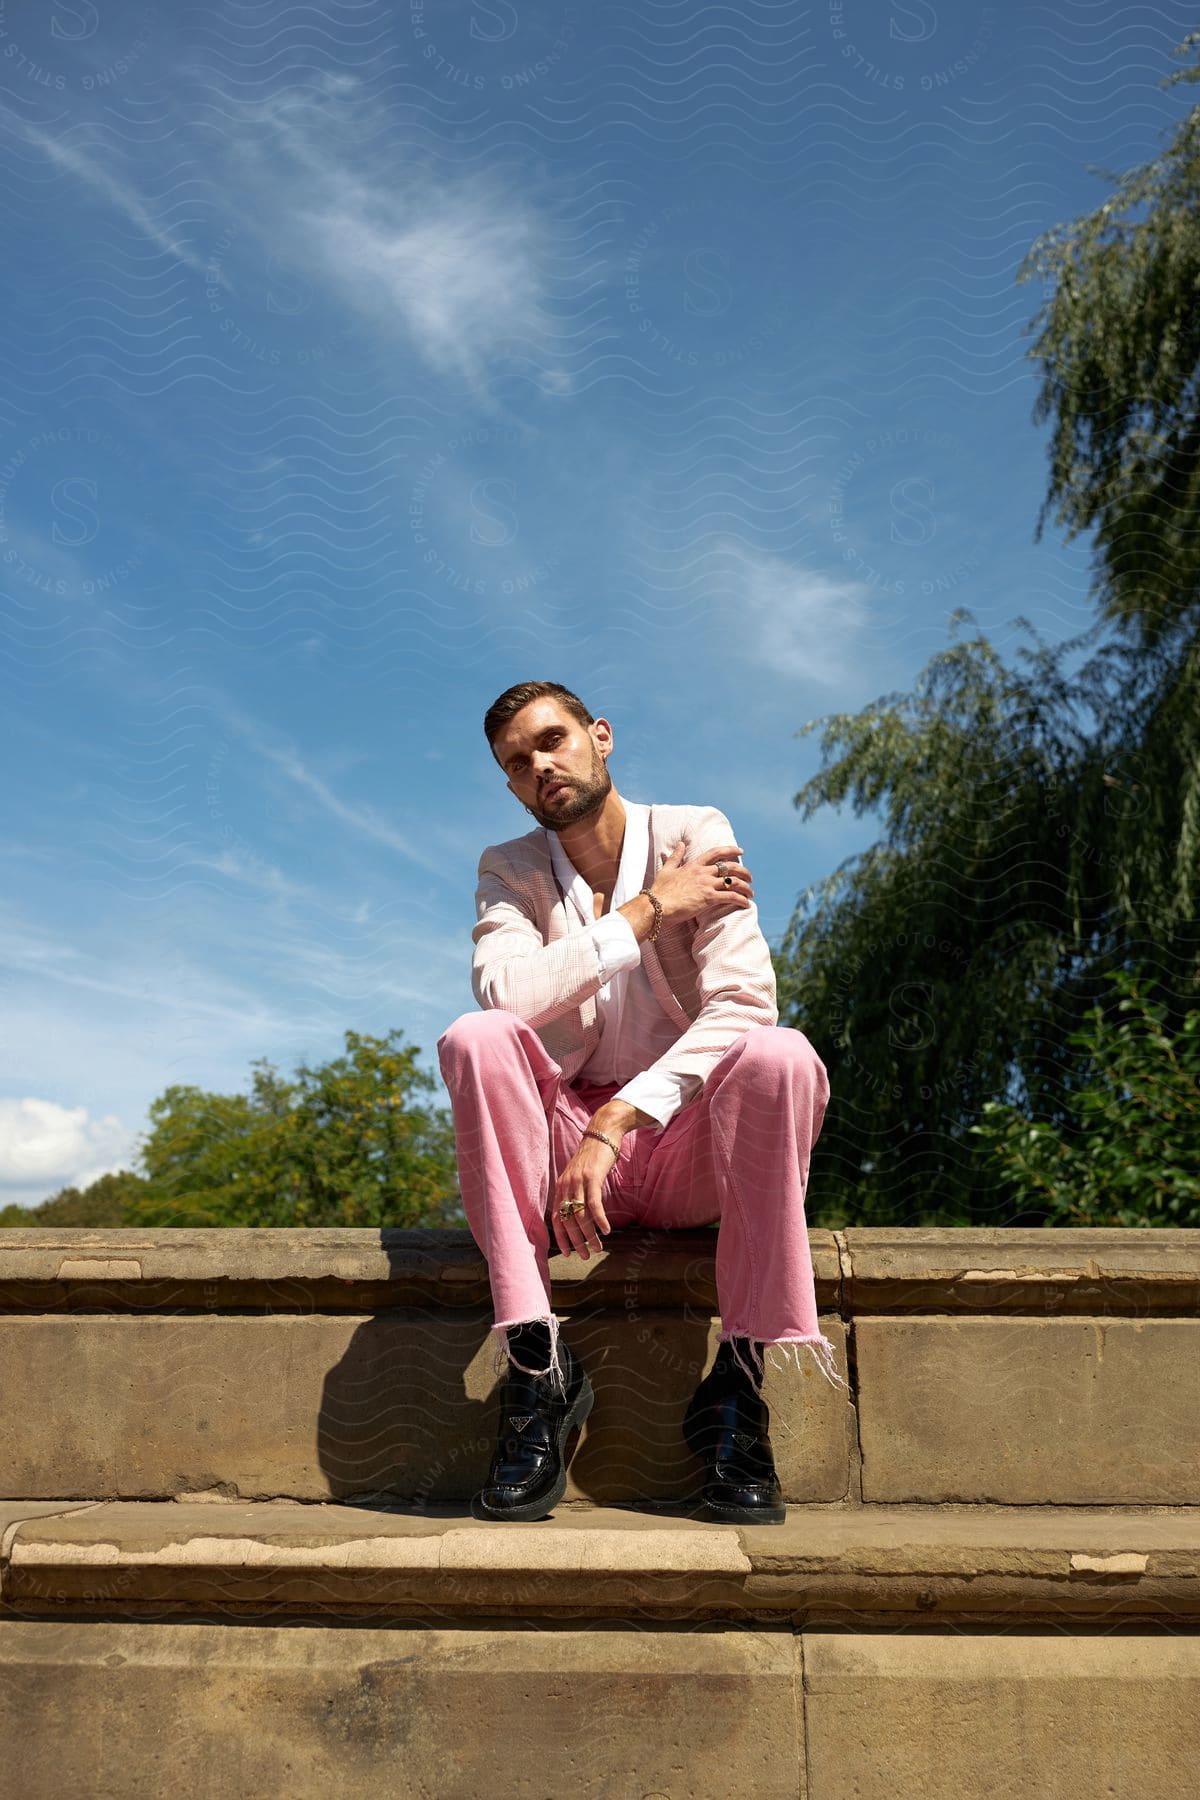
(513, 699)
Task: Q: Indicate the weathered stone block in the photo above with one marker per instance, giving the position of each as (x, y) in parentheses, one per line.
(967, 1716)
(145, 1710)
(1029, 1411)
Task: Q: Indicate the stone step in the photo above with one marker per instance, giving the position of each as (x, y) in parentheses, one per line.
(979, 1366)
(860, 1566)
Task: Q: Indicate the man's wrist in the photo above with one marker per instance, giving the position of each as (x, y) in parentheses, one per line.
(619, 1115)
(641, 914)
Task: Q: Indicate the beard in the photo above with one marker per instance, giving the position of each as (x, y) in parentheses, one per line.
(580, 800)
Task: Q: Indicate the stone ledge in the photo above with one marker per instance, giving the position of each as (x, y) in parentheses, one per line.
(290, 1269)
(851, 1565)
(1134, 1272)
(972, 1269)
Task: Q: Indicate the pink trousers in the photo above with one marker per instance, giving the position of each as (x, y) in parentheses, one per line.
(738, 1153)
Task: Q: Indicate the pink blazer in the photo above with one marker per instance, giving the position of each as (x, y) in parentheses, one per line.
(533, 957)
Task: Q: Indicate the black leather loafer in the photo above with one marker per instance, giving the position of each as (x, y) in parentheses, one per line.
(528, 1477)
(726, 1428)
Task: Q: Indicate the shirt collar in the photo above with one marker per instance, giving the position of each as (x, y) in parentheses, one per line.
(630, 876)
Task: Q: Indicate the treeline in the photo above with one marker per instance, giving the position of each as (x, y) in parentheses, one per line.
(354, 1142)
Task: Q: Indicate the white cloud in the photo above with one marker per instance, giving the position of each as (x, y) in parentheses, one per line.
(452, 264)
(799, 623)
(45, 1147)
(455, 266)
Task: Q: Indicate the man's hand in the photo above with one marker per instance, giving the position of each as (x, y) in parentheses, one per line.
(687, 890)
(584, 1178)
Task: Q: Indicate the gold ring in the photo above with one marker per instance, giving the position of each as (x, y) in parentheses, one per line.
(569, 1208)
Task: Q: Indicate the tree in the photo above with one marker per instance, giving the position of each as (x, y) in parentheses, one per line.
(104, 1202)
(1120, 350)
(344, 1144)
(1041, 829)
(1130, 1152)
(948, 963)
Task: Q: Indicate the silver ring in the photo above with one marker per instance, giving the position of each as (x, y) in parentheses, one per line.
(720, 868)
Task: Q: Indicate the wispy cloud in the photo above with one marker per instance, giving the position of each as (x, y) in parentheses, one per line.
(94, 168)
(453, 265)
(456, 267)
(797, 622)
(360, 818)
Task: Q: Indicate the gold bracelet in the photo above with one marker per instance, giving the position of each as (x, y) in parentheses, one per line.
(657, 905)
(615, 1148)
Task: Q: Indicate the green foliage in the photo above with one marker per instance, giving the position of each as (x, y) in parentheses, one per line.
(1119, 349)
(104, 1202)
(1041, 823)
(344, 1144)
(951, 959)
(1129, 1151)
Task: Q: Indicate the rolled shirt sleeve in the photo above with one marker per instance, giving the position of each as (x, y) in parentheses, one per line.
(616, 943)
(659, 1093)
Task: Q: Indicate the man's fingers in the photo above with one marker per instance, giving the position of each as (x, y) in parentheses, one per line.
(595, 1200)
(562, 1230)
(578, 1233)
(583, 1234)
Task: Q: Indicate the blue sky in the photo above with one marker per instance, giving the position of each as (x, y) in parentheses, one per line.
(361, 359)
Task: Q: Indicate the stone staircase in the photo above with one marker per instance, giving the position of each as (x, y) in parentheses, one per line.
(236, 1556)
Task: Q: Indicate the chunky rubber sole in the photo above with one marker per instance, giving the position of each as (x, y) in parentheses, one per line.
(744, 1515)
(537, 1509)
(718, 1509)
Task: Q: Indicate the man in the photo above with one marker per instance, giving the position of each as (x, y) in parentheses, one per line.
(627, 1067)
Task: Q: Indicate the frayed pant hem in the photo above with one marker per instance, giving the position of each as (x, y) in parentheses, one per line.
(504, 1354)
(822, 1350)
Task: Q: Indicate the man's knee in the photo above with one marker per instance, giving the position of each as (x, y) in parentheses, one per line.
(783, 1048)
(471, 1030)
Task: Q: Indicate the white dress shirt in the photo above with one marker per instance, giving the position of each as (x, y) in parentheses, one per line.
(634, 1030)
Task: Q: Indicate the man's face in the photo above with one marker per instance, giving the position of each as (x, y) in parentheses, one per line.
(555, 765)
